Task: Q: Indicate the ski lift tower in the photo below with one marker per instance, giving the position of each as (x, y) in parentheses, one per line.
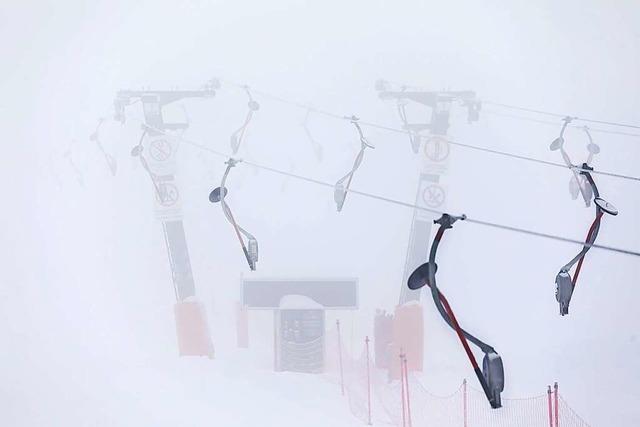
(435, 154)
(159, 144)
(405, 329)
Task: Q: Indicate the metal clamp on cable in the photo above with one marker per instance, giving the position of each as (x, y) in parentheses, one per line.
(238, 135)
(565, 285)
(138, 151)
(218, 195)
(578, 183)
(340, 189)
(491, 377)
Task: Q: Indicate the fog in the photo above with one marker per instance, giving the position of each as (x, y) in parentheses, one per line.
(87, 298)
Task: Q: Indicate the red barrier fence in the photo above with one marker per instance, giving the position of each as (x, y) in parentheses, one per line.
(376, 398)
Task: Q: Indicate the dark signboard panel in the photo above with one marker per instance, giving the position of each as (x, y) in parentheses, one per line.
(330, 293)
(300, 341)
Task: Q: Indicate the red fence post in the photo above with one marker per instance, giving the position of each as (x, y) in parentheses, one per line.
(464, 402)
(404, 410)
(555, 398)
(550, 406)
(340, 357)
(406, 381)
(366, 342)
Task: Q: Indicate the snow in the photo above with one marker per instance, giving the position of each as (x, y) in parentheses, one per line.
(86, 297)
(168, 391)
(299, 302)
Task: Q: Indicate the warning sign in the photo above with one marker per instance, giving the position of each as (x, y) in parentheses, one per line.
(167, 199)
(437, 149)
(161, 155)
(433, 196)
(168, 195)
(161, 150)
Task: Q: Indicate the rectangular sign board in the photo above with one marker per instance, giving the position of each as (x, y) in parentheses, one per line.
(330, 293)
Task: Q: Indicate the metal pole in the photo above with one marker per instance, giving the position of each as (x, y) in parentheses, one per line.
(404, 422)
(555, 398)
(406, 381)
(550, 406)
(340, 357)
(366, 343)
(464, 402)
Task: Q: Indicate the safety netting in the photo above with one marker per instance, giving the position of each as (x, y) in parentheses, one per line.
(526, 412)
(375, 397)
(567, 417)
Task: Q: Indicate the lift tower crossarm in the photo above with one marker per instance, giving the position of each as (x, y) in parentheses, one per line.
(152, 103)
(431, 98)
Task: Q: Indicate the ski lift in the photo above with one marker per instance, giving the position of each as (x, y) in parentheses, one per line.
(413, 129)
(491, 377)
(138, 151)
(493, 372)
(95, 136)
(340, 189)
(578, 183)
(218, 195)
(565, 284)
(238, 135)
(384, 88)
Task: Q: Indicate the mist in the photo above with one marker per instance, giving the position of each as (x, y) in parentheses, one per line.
(88, 296)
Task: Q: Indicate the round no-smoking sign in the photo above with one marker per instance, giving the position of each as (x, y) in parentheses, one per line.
(433, 195)
(160, 150)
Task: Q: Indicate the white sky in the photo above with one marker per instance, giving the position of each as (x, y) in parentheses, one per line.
(85, 268)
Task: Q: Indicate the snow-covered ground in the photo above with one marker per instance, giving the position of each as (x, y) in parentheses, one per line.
(169, 392)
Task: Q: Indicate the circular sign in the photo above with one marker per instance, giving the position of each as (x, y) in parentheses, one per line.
(436, 148)
(433, 196)
(169, 195)
(160, 150)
